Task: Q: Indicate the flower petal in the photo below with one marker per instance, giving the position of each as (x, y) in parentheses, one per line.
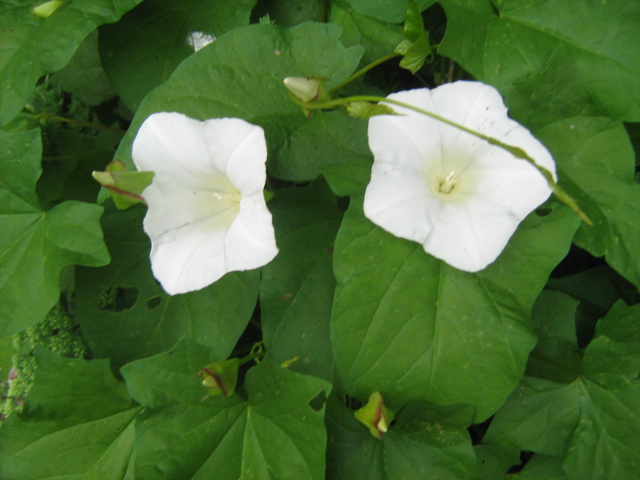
(398, 200)
(251, 242)
(238, 148)
(174, 147)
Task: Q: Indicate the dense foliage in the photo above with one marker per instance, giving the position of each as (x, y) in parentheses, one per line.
(528, 369)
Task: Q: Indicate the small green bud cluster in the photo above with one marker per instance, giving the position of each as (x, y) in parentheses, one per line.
(57, 332)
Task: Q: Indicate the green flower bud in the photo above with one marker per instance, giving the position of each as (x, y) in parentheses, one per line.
(124, 187)
(220, 377)
(375, 416)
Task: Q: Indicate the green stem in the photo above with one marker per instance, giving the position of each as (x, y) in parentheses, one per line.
(250, 357)
(364, 70)
(63, 158)
(563, 196)
(57, 118)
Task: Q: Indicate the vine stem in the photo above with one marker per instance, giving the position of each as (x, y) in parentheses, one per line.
(96, 126)
(251, 356)
(517, 152)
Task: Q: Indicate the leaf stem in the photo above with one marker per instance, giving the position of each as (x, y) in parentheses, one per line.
(517, 152)
(364, 70)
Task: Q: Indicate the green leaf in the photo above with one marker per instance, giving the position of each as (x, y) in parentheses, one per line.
(616, 347)
(142, 50)
(125, 314)
(495, 460)
(77, 423)
(597, 289)
(171, 377)
(34, 46)
(331, 143)
(555, 325)
(541, 467)
(426, 442)
(35, 245)
(379, 37)
(589, 414)
(596, 166)
(227, 438)
(509, 41)
(392, 11)
(228, 79)
(415, 47)
(296, 290)
(83, 76)
(291, 12)
(412, 327)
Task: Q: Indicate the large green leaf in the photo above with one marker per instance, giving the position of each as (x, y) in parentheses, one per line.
(35, 245)
(147, 44)
(509, 41)
(595, 162)
(84, 75)
(588, 413)
(228, 79)
(125, 314)
(410, 326)
(296, 290)
(425, 442)
(392, 11)
(77, 423)
(379, 37)
(276, 433)
(541, 467)
(33, 46)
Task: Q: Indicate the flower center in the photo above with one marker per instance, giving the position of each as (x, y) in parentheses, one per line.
(227, 197)
(454, 182)
(445, 186)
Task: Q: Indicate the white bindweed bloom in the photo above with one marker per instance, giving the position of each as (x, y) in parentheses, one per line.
(454, 193)
(207, 213)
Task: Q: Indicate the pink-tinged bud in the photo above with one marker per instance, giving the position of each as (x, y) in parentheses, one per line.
(375, 416)
(220, 377)
(306, 89)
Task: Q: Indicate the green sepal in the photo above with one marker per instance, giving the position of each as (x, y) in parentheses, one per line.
(124, 187)
(221, 377)
(374, 415)
(268, 195)
(366, 110)
(415, 47)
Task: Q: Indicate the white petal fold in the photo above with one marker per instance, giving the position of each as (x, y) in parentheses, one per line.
(207, 215)
(459, 196)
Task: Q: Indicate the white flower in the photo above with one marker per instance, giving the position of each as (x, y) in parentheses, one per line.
(207, 214)
(456, 194)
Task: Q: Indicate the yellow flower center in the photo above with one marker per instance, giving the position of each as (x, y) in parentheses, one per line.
(445, 186)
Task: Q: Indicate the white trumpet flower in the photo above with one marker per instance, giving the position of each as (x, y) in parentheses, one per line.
(459, 196)
(207, 213)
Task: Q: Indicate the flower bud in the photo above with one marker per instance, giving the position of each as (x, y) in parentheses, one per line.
(375, 416)
(124, 187)
(220, 377)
